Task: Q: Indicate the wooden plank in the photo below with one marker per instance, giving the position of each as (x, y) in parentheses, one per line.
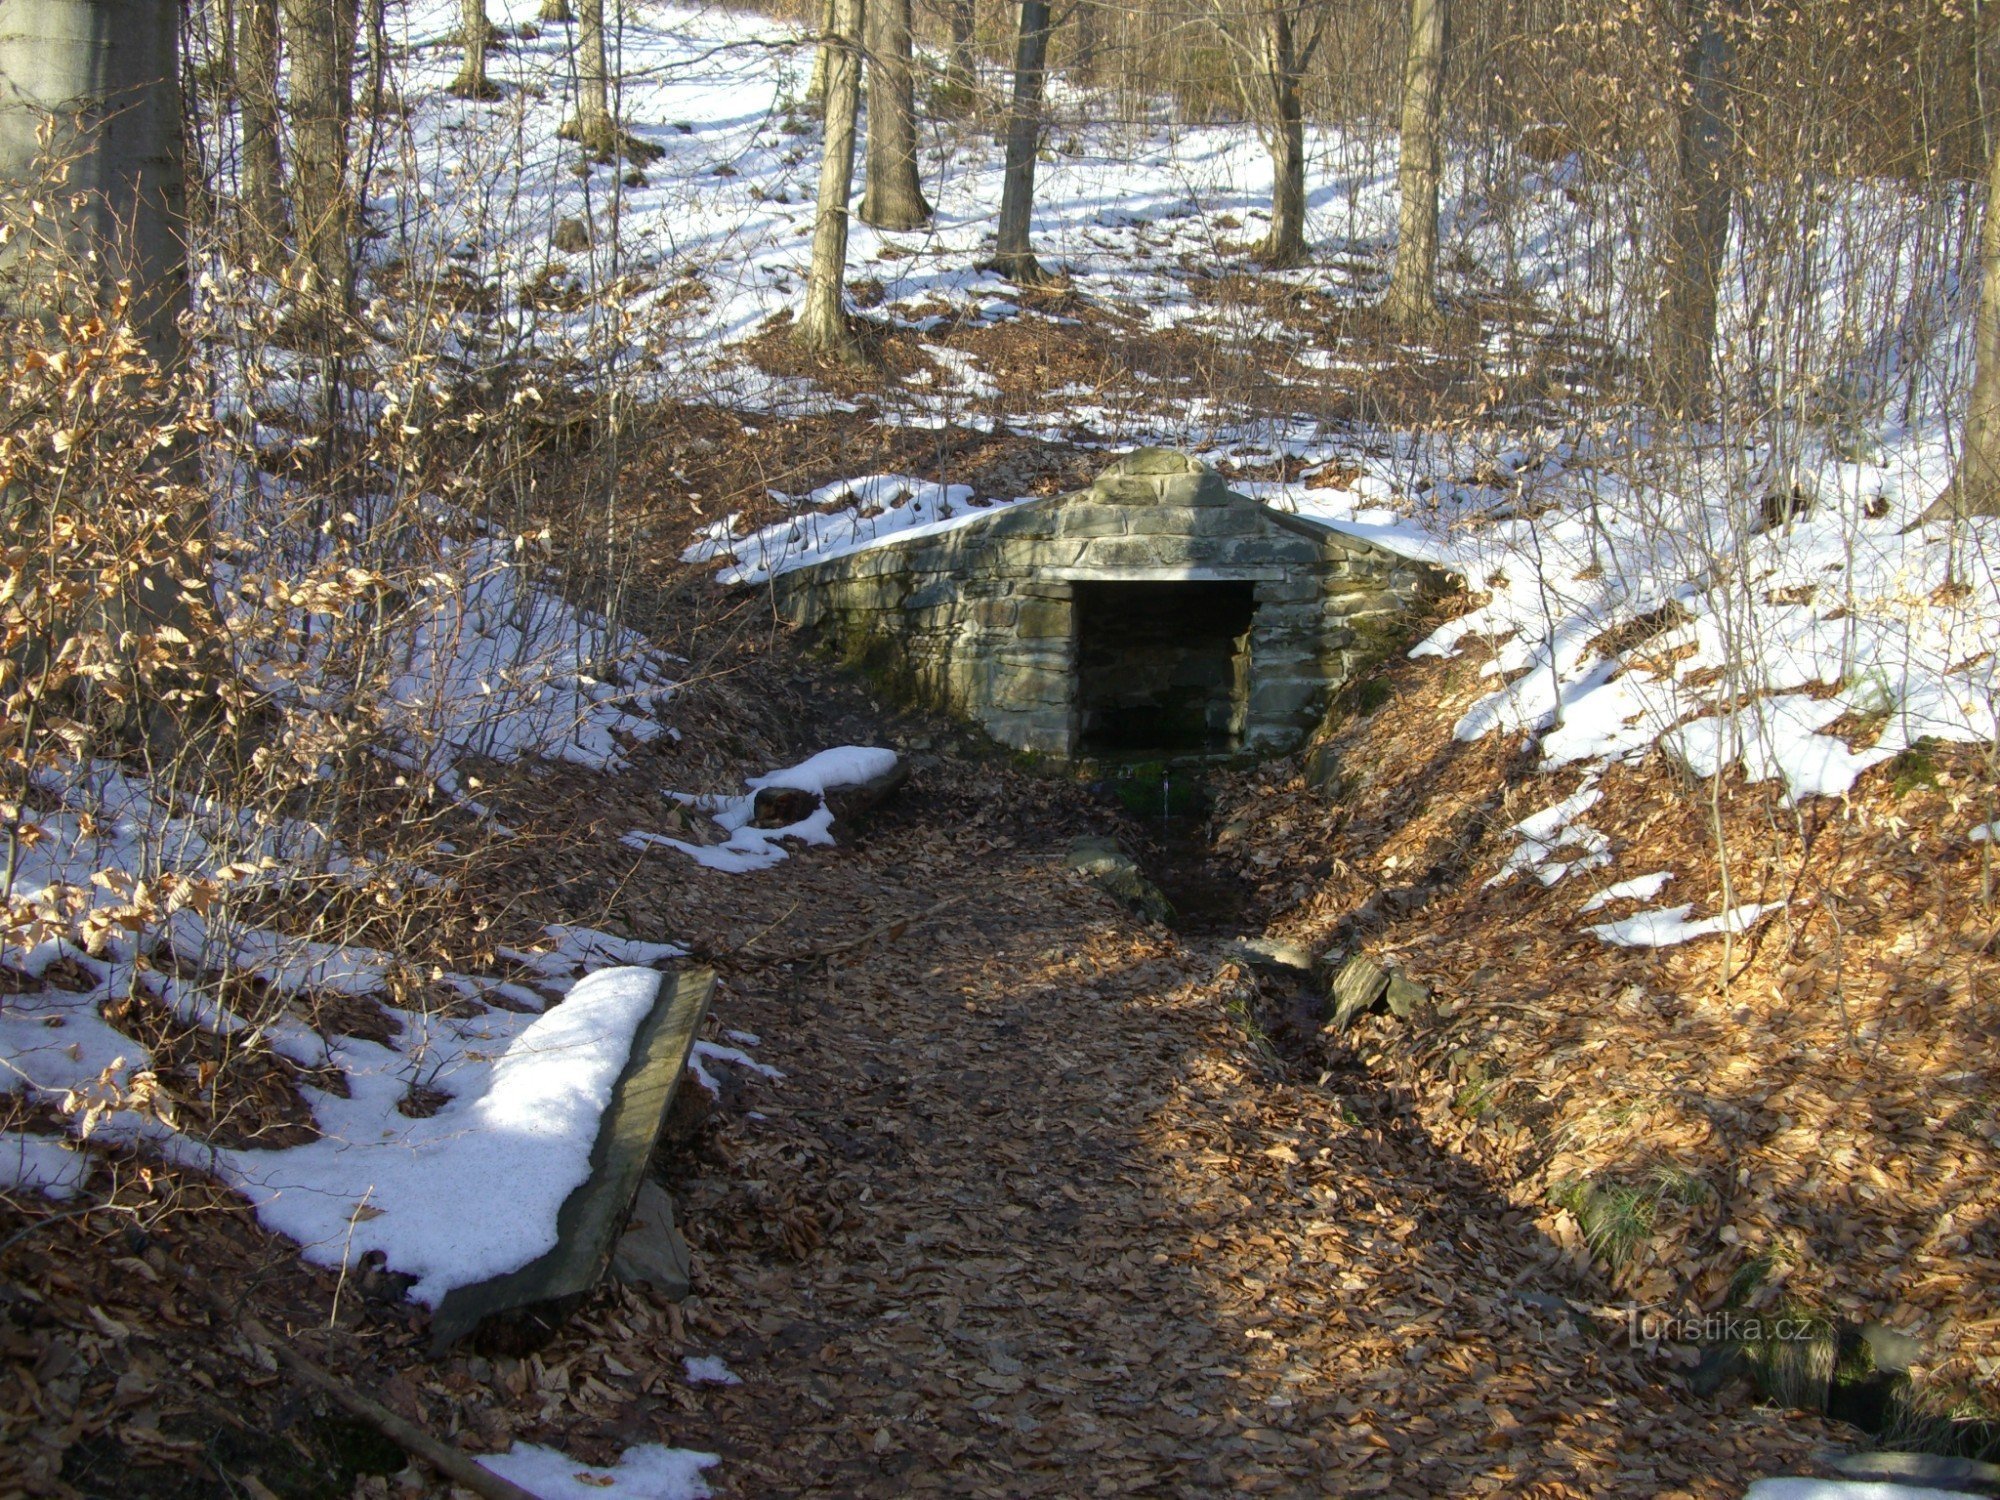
(588, 1224)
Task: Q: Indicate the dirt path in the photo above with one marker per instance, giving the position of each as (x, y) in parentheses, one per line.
(1030, 1216)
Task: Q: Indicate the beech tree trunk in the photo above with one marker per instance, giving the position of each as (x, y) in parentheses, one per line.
(829, 25)
(1975, 487)
(1089, 40)
(107, 71)
(376, 96)
(106, 74)
(257, 102)
(1697, 227)
(472, 82)
(592, 125)
(1014, 256)
(321, 36)
(822, 326)
(1412, 301)
(893, 197)
(1285, 245)
(961, 75)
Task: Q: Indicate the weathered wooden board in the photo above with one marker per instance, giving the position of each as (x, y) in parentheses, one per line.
(591, 1218)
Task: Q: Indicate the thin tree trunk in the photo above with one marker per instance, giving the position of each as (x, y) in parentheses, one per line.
(961, 75)
(377, 98)
(592, 125)
(1975, 488)
(1412, 300)
(257, 100)
(557, 12)
(1697, 228)
(1013, 256)
(893, 197)
(222, 37)
(321, 34)
(472, 82)
(1285, 245)
(1089, 40)
(829, 24)
(822, 326)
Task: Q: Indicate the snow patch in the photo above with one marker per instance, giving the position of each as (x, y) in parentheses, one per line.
(472, 1191)
(46, 1164)
(708, 1369)
(1638, 888)
(647, 1472)
(748, 848)
(1666, 926)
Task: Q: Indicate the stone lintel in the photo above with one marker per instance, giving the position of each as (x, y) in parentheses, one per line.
(1184, 573)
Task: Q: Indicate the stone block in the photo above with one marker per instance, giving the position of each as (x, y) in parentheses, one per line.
(1032, 522)
(1126, 552)
(1045, 589)
(1048, 732)
(1158, 461)
(1037, 618)
(1301, 587)
(1023, 688)
(1352, 601)
(1277, 736)
(872, 593)
(995, 614)
(1029, 557)
(1281, 699)
(937, 593)
(1273, 547)
(1189, 520)
(1202, 487)
(1085, 520)
(1117, 489)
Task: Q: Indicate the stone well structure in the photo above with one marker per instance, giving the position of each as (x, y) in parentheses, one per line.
(1156, 611)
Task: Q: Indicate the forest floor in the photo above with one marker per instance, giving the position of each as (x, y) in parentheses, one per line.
(1048, 1201)
(1052, 1200)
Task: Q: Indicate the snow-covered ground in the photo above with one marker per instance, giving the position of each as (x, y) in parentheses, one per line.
(752, 848)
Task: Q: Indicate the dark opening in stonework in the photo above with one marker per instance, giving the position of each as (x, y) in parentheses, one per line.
(1162, 666)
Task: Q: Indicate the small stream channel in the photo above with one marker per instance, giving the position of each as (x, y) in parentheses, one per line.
(1166, 805)
(1855, 1374)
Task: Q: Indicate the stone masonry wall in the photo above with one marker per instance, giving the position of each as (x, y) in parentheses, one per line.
(979, 620)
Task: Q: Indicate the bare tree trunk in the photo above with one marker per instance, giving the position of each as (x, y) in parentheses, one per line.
(376, 97)
(556, 12)
(893, 197)
(257, 100)
(592, 125)
(1089, 39)
(1412, 300)
(106, 74)
(822, 326)
(1975, 489)
(1697, 229)
(829, 23)
(1285, 245)
(222, 25)
(476, 31)
(961, 75)
(1013, 256)
(321, 34)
